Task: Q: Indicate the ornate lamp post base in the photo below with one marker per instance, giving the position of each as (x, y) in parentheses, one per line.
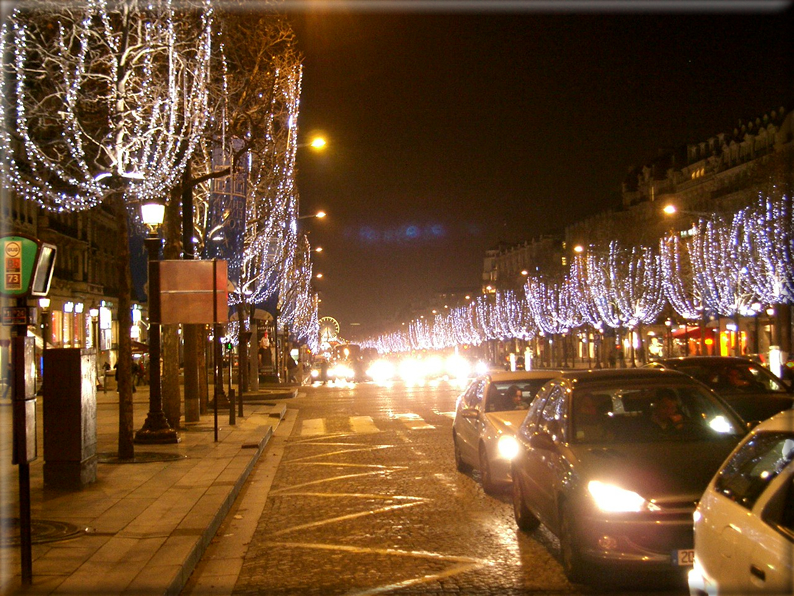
(156, 430)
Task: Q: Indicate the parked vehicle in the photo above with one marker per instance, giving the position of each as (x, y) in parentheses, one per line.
(750, 388)
(744, 524)
(486, 419)
(614, 461)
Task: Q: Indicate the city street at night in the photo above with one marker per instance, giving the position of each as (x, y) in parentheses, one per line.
(427, 298)
(358, 493)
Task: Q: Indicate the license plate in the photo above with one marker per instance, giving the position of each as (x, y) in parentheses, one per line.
(684, 557)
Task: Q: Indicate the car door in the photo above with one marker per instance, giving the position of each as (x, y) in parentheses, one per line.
(540, 460)
(751, 518)
(469, 422)
(765, 553)
(551, 429)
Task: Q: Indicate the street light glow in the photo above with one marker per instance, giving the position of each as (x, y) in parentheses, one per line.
(152, 214)
(318, 143)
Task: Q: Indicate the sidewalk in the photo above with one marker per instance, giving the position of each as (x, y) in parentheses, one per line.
(142, 527)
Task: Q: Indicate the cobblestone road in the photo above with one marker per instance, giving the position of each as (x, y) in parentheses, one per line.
(367, 500)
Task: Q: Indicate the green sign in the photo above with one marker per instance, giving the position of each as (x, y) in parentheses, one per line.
(25, 266)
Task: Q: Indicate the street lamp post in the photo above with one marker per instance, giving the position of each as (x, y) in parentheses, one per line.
(44, 303)
(93, 312)
(156, 428)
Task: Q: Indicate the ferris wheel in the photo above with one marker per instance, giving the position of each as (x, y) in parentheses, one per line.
(329, 329)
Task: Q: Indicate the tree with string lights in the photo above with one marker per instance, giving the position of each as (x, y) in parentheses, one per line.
(246, 210)
(626, 285)
(553, 310)
(768, 235)
(720, 263)
(105, 103)
(678, 282)
(297, 297)
(584, 301)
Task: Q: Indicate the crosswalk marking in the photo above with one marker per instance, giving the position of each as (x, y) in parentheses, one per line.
(314, 426)
(363, 425)
(413, 421)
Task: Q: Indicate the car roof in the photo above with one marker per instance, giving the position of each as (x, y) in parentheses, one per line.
(783, 421)
(518, 375)
(709, 359)
(632, 374)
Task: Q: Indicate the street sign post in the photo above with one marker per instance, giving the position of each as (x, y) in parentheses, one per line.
(26, 266)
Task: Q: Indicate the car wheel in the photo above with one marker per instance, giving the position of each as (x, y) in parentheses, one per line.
(461, 465)
(525, 519)
(572, 563)
(485, 472)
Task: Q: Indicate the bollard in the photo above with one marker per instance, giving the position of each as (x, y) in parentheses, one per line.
(232, 410)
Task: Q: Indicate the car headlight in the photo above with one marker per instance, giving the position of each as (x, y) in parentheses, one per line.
(507, 446)
(614, 499)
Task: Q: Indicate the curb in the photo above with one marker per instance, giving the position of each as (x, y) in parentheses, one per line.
(178, 583)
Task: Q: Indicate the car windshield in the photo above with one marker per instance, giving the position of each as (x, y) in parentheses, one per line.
(627, 414)
(732, 377)
(515, 394)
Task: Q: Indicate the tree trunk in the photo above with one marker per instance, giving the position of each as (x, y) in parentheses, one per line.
(190, 332)
(171, 388)
(193, 409)
(124, 369)
(172, 398)
(201, 361)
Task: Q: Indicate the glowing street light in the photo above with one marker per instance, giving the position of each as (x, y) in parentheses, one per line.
(671, 209)
(318, 215)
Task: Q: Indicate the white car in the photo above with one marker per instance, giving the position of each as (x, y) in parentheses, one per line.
(744, 524)
(486, 419)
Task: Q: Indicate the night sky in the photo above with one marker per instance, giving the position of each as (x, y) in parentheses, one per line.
(451, 132)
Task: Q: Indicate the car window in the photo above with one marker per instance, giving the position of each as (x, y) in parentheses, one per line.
(551, 418)
(764, 379)
(473, 396)
(643, 413)
(501, 400)
(754, 465)
(535, 408)
(732, 377)
(495, 400)
(785, 519)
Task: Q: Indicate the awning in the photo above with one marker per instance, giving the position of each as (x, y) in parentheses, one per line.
(139, 348)
(692, 332)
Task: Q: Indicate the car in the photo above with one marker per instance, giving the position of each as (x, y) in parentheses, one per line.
(486, 420)
(613, 463)
(750, 388)
(744, 524)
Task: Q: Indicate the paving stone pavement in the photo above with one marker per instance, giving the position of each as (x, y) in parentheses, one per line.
(141, 528)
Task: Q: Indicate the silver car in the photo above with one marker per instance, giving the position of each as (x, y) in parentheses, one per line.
(486, 419)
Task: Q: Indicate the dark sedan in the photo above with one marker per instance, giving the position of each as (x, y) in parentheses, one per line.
(614, 461)
(752, 390)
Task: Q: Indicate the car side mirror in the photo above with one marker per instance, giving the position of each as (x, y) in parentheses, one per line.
(471, 414)
(542, 441)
